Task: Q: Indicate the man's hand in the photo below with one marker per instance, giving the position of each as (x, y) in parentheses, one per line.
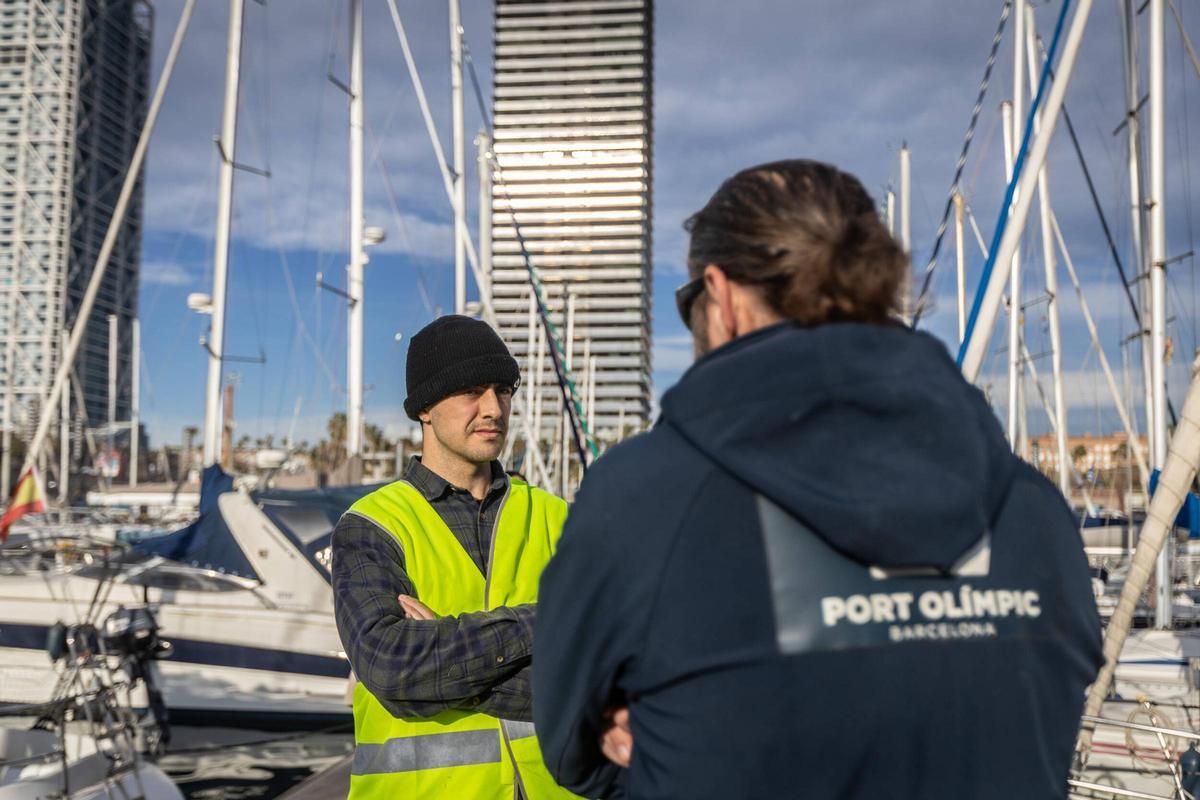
(616, 742)
(415, 609)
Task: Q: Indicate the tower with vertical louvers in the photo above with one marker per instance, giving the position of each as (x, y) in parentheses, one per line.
(573, 128)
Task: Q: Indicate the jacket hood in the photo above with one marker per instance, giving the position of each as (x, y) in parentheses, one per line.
(868, 434)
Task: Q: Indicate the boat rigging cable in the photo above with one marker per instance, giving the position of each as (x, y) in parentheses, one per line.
(572, 404)
(923, 296)
(1187, 40)
(1006, 205)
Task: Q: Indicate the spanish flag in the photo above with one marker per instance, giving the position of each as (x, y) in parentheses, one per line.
(26, 499)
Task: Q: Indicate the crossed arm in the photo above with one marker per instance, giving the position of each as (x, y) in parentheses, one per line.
(416, 664)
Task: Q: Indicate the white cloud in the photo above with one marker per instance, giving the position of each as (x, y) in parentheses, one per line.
(408, 233)
(166, 273)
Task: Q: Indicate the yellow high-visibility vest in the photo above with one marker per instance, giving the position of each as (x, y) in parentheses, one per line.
(456, 754)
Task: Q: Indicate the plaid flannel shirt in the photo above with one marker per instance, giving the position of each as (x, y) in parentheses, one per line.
(417, 668)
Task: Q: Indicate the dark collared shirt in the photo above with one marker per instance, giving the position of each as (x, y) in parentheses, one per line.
(418, 668)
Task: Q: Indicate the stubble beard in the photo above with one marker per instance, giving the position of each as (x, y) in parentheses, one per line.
(480, 452)
(468, 449)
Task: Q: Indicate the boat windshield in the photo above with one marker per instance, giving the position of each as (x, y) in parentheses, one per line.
(156, 572)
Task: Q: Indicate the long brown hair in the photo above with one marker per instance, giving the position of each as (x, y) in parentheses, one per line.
(808, 235)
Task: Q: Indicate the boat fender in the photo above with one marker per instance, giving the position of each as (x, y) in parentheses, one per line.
(1189, 769)
(56, 641)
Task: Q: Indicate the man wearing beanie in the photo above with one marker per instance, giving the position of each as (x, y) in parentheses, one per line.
(435, 582)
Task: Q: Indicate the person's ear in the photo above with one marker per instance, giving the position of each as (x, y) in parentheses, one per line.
(720, 290)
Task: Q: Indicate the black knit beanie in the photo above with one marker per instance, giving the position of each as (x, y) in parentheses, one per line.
(454, 353)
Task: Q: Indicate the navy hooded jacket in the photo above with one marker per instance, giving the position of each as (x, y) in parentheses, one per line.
(822, 574)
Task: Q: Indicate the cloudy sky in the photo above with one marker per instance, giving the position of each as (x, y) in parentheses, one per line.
(735, 84)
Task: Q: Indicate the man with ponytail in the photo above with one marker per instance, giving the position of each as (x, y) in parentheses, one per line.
(823, 573)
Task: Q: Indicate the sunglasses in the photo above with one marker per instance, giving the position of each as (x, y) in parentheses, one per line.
(685, 298)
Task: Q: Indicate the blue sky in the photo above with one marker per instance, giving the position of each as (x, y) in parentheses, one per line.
(735, 84)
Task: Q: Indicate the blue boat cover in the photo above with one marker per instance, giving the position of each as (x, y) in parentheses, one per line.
(1189, 514)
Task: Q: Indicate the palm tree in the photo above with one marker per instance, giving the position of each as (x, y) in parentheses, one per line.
(337, 430)
(332, 452)
(375, 439)
(1078, 453)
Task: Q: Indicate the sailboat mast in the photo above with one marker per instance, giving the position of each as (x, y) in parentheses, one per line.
(458, 153)
(960, 265)
(1136, 201)
(1007, 124)
(1158, 289)
(1049, 262)
(1015, 126)
(354, 277)
(535, 411)
(564, 461)
(484, 144)
(135, 403)
(114, 352)
(228, 142)
(10, 384)
(64, 435)
(531, 339)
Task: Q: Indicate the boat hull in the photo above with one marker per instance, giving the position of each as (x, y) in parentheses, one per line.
(231, 657)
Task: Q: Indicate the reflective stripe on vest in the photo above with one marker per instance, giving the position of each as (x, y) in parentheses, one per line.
(432, 751)
(517, 730)
(456, 754)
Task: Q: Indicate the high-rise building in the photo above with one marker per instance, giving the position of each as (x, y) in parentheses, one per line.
(573, 122)
(74, 79)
